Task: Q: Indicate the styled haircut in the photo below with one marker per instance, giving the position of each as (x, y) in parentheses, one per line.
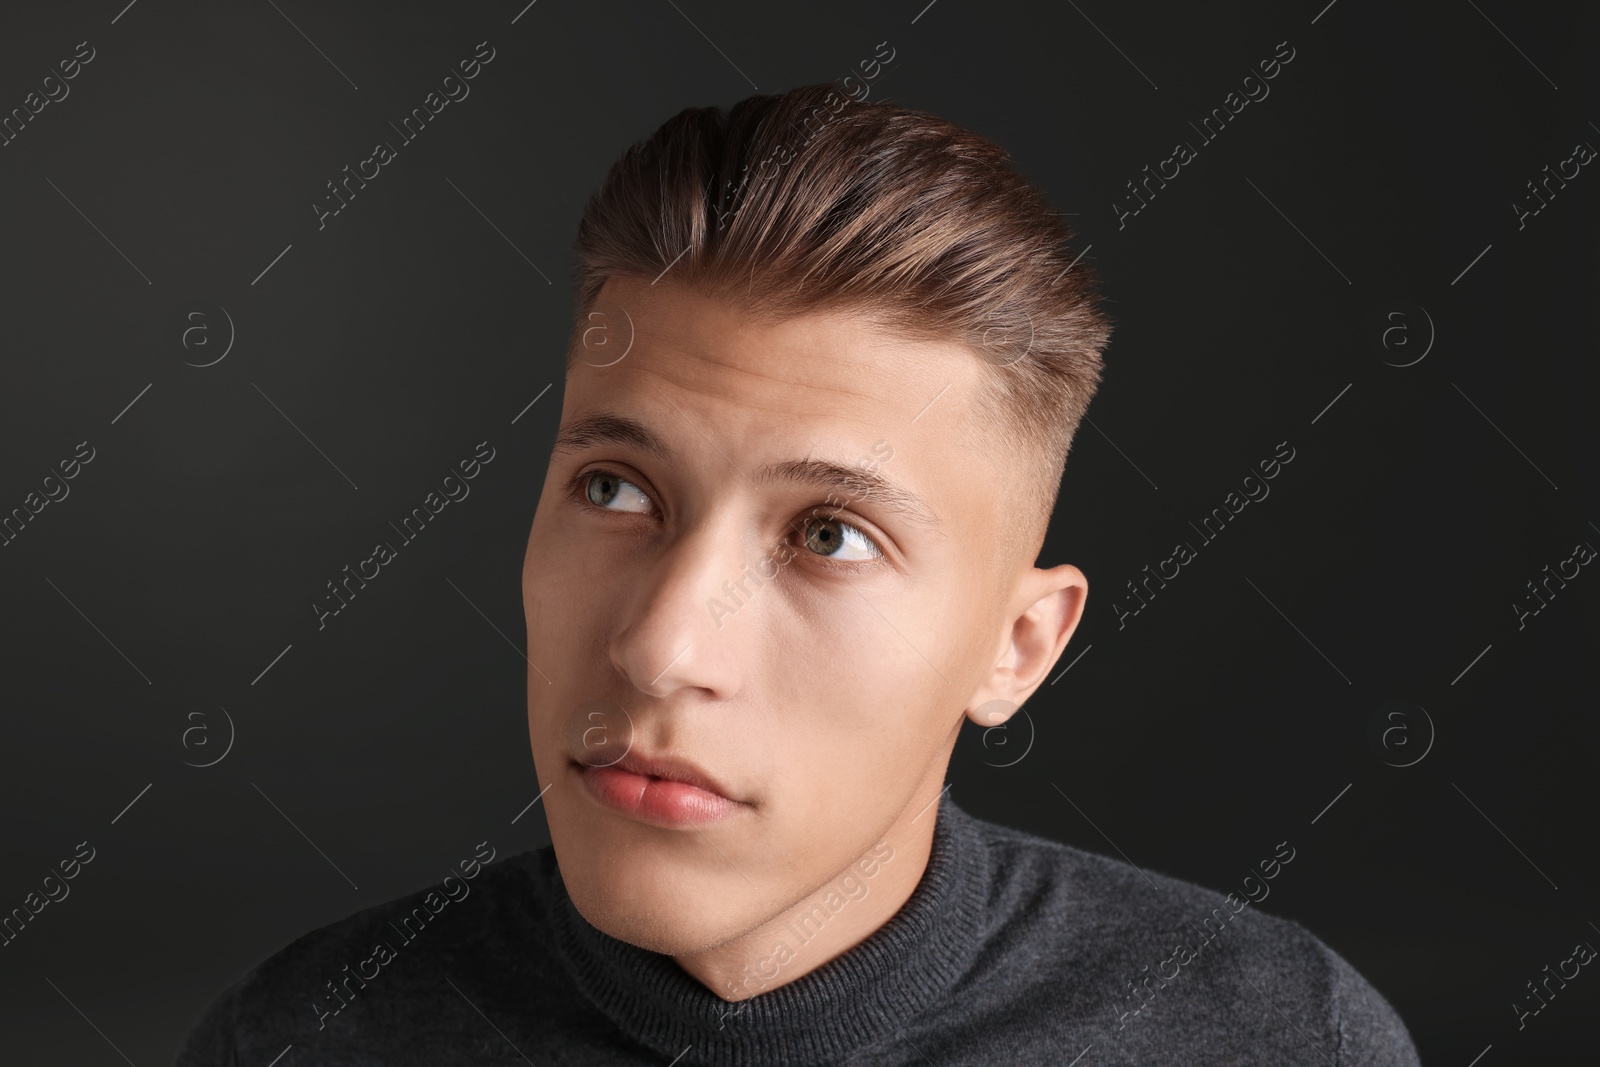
(810, 200)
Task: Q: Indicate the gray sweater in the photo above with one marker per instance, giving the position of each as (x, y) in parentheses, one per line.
(1013, 949)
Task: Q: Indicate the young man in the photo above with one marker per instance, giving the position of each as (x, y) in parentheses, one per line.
(828, 359)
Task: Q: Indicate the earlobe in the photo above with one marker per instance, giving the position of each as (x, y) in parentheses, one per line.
(993, 713)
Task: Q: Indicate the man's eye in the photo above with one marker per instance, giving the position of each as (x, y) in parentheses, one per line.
(602, 489)
(839, 541)
(832, 539)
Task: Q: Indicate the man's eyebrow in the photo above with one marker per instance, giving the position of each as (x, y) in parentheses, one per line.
(851, 483)
(594, 430)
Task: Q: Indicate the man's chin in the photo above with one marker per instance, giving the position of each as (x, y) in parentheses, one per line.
(642, 913)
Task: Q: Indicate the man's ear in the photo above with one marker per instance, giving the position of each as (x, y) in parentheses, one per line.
(1043, 613)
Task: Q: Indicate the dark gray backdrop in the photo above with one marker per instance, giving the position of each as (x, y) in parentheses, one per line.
(1342, 268)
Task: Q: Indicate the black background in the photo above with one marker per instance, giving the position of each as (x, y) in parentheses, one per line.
(1376, 180)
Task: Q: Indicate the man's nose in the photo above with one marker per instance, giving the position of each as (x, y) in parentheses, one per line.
(671, 635)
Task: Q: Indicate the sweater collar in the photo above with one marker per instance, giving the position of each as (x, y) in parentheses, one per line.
(869, 994)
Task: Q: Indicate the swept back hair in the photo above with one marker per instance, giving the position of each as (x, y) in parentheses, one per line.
(809, 200)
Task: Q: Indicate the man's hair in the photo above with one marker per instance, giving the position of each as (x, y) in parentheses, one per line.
(809, 200)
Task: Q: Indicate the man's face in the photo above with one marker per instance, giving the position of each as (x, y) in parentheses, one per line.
(810, 647)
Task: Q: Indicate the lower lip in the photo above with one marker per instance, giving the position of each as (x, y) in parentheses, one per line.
(654, 800)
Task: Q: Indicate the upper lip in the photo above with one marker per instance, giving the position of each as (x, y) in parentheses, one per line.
(671, 769)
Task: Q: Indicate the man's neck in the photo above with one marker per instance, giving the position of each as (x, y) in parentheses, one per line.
(847, 910)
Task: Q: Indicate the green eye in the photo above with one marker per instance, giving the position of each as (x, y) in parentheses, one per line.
(602, 489)
(839, 540)
(831, 539)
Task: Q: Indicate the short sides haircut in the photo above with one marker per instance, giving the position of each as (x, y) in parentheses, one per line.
(810, 200)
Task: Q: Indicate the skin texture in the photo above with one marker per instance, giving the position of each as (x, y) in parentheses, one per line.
(828, 697)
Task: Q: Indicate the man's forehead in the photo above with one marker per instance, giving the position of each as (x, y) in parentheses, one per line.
(832, 361)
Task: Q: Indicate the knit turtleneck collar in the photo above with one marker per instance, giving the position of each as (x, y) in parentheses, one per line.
(859, 998)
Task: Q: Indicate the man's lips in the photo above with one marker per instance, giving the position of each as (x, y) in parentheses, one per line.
(663, 792)
(670, 769)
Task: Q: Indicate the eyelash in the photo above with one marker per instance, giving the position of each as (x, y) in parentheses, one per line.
(576, 489)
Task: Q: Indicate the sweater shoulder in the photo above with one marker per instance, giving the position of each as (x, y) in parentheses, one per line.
(1120, 901)
(1133, 946)
(304, 987)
